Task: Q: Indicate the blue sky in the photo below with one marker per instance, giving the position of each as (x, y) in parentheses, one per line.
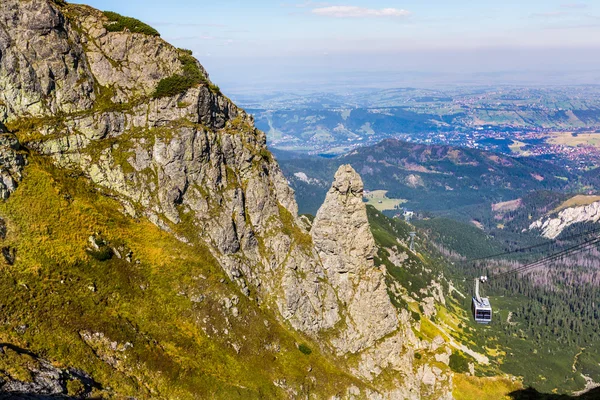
(239, 39)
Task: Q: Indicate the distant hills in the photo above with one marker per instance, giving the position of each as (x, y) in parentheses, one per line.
(436, 178)
(492, 118)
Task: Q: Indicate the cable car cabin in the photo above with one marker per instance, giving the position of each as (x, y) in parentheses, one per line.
(481, 307)
(482, 310)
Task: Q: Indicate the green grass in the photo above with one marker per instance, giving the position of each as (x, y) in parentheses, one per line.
(118, 23)
(301, 238)
(379, 200)
(416, 271)
(458, 362)
(546, 366)
(179, 348)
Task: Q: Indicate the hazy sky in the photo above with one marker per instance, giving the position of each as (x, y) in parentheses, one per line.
(294, 41)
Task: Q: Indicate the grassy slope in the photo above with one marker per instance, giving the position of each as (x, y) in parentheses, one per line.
(474, 388)
(57, 290)
(451, 320)
(579, 200)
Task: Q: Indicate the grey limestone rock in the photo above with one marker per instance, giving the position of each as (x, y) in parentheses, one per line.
(346, 247)
(42, 64)
(197, 161)
(12, 162)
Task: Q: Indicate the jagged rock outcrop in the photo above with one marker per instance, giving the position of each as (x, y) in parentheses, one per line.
(11, 164)
(346, 247)
(551, 227)
(193, 154)
(42, 67)
(369, 325)
(194, 165)
(42, 378)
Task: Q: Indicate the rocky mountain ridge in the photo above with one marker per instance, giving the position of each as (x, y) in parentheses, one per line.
(552, 226)
(428, 177)
(78, 104)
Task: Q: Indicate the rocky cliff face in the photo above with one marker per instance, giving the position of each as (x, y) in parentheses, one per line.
(346, 247)
(551, 227)
(195, 154)
(12, 162)
(193, 164)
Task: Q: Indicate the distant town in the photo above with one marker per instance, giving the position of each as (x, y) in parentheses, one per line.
(558, 124)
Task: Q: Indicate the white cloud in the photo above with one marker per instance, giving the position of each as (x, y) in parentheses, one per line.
(358, 12)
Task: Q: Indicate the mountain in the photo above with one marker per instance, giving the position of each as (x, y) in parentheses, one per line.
(545, 315)
(577, 210)
(429, 177)
(544, 318)
(151, 246)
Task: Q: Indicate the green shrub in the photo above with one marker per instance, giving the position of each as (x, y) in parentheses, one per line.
(265, 154)
(304, 349)
(416, 316)
(458, 363)
(118, 23)
(75, 388)
(418, 356)
(172, 86)
(191, 76)
(190, 67)
(214, 88)
(103, 254)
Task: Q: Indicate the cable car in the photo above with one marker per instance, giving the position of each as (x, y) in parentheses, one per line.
(481, 307)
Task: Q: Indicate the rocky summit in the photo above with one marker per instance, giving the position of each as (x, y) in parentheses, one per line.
(152, 244)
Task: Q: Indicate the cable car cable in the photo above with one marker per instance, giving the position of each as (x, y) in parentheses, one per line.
(570, 251)
(535, 246)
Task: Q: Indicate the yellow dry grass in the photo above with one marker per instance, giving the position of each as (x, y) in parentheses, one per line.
(579, 200)
(475, 388)
(379, 200)
(567, 139)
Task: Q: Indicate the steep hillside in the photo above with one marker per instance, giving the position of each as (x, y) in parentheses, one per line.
(553, 225)
(546, 317)
(151, 243)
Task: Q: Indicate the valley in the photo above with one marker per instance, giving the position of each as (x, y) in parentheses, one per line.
(379, 200)
(527, 336)
(559, 124)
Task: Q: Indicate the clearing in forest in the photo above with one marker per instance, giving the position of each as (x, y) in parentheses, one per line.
(379, 200)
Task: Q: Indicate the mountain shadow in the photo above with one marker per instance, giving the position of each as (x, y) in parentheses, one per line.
(532, 394)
